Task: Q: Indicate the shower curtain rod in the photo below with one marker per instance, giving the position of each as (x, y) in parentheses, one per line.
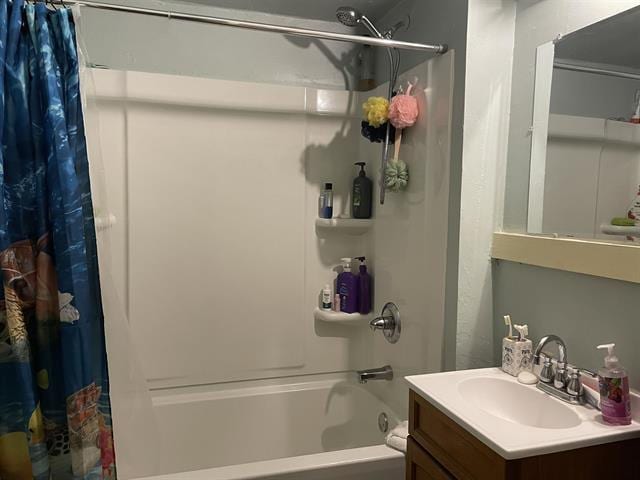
(264, 27)
(597, 71)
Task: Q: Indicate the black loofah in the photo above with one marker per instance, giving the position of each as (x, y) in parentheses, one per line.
(377, 135)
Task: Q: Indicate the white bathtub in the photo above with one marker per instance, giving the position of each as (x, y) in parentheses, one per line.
(323, 429)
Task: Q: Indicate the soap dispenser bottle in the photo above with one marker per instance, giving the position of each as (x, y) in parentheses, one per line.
(348, 286)
(361, 198)
(615, 400)
(364, 301)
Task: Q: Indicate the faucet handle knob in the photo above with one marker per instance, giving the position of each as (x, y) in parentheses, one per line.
(546, 374)
(379, 323)
(560, 378)
(574, 387)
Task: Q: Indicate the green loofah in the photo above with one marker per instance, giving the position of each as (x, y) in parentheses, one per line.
(396, 176)
(623, 222)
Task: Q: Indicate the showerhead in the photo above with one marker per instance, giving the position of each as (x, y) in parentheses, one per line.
(348, 16)
(351, 17)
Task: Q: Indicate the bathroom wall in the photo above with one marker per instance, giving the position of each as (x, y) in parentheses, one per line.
(125, 41)
(486, 116)
(440, 22)
(584, 310)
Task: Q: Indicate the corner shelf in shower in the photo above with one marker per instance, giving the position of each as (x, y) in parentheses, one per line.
(348, 226)
(341, 317)
(619, 230)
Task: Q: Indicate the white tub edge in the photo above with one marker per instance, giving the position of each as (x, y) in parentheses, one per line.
(282, 466)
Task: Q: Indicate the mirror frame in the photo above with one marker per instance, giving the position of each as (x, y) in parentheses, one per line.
(617, 261)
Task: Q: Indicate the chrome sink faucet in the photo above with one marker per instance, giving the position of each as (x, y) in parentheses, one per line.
(562, 380)
(562, 349)
(383, 373)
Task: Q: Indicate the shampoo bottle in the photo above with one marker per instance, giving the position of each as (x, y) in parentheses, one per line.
(615, 400)
(364, 303)
(348, 287)
(361, 199)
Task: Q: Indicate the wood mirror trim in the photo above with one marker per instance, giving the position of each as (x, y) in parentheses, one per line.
(617, 261)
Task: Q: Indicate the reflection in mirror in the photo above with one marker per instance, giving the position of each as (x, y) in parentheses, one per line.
(585, 152)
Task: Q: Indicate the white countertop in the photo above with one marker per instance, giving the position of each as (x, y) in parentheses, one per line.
(489, 421)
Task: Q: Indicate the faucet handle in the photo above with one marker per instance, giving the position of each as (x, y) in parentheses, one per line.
(388, 322)
(378, 323)
(560, 378)
(574, 387)
(546, 374)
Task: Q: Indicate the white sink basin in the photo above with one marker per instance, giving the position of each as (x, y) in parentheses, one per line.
(518, 420)
(517, 403)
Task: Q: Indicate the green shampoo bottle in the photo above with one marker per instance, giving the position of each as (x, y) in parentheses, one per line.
(361, 198)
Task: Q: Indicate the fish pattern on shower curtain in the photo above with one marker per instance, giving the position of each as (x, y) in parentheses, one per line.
(55, 418)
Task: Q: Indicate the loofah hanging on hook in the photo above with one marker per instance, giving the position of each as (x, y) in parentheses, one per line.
(375, 112)
(396, 174)
(377, 134)
(403, 109)
(396, 177)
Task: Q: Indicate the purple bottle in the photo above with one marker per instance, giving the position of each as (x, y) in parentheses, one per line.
(364, 300)
(348, 287)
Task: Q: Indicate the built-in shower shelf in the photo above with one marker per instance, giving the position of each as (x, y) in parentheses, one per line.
(348, 226)
(619, 230)
(341, 317)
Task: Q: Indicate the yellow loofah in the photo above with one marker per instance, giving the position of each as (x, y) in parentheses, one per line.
(376, 111)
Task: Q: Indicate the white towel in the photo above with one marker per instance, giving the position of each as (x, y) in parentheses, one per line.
(397, 438)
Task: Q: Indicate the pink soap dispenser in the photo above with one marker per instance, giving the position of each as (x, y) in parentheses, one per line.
(615, 400)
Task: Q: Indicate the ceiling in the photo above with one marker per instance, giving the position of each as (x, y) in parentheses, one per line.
(614, 41)
(311, 9)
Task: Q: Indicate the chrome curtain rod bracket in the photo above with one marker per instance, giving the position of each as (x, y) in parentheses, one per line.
(263, 27)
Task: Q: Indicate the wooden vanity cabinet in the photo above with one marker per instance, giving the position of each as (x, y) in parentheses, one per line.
(440, 449)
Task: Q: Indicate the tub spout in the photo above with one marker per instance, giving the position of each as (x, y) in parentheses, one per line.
(384, 373)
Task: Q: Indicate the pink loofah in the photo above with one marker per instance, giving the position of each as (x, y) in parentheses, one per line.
(403, 111)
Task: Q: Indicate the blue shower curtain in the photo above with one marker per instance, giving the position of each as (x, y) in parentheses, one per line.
(55, 419)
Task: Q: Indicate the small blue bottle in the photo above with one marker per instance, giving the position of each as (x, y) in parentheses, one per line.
(325, 204)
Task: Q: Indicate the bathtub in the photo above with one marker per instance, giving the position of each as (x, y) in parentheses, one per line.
(319, 429)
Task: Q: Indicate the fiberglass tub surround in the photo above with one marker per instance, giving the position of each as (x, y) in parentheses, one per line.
(242, 384)
(219, 179)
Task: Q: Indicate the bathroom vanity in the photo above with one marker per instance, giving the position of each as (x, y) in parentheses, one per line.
(484, 425)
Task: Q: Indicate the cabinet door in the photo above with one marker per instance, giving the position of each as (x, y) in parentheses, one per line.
(422, 466)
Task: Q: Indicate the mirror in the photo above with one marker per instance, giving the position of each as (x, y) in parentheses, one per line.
(585, 151)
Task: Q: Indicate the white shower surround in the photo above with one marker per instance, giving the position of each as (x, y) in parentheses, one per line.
(159, 132)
